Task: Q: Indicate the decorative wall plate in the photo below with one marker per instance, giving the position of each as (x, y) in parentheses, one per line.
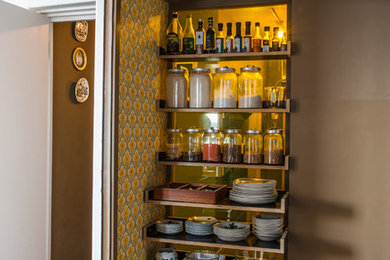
(81, 90)
(79, 58)
(80, 31)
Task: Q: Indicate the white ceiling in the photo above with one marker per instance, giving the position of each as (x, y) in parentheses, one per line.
(45, 3)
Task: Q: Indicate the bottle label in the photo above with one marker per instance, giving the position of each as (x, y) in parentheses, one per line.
(247, 44)
(210, 41)
(275, 45)
(257, 45)
(229, 45)
(188, 44)
(173, 43)
(266, 45)
(219, 45)
(199, 38)
(238, 44)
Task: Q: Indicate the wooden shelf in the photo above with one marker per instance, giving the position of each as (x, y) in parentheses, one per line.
(251, 243)
(278, 207)
(161, 108)
(285, 167)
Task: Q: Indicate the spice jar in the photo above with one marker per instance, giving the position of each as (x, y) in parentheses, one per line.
(232, 146)
(176, 88)
(273, 147)
(253, 147)
(173, 144)
(212, 141)
(200, 88)
(250, 87)
(192, 146)
(225, 88)
(275, 97)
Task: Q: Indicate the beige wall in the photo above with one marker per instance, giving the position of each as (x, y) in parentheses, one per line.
(340, 202)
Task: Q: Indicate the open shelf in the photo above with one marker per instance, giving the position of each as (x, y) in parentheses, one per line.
(161, 108)
(251, 243)
(286, 166)
(278, 207)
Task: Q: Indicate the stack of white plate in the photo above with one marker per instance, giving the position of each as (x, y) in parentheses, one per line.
(267, 227)
(169, 226)
(200, 226)
(231, 231)
(253, 191)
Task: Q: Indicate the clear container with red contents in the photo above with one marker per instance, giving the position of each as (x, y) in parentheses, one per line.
(212, 145)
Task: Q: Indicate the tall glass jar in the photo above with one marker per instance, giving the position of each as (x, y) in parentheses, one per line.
(192, 146)
(225, 88)
(200, 88)
(232, 146)
(253, 147)
(273, 147)
(212, 141)
(176, 88)
(173, 144)
(250, 87)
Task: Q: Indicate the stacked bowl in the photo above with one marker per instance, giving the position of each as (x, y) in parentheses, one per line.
(231, 231)
(267, 227)
(253, 191)
(169, 226)
(200, 226)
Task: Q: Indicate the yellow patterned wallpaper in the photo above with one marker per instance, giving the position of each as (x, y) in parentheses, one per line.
(140, 126)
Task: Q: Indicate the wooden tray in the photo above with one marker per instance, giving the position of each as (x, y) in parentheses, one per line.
(191, 192)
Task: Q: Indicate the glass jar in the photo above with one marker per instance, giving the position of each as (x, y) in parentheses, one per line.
(275, 96)
(176, 88)
(232, 146)
(200, 88)
(250, 87)
(173, 144)
(273, 147)
(192, 146)
(253, 147)
(225, 88)
(212, 141)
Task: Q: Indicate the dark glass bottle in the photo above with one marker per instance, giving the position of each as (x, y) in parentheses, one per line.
(174, 34)
(238, 38)
(229, 38)
(199, 34)
(210, 37)
(247, 37)
(188, 37)
(275, 39)
(266, 47)
(257, 39)
(220, 42)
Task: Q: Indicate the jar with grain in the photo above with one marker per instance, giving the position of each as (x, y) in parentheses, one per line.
(212, 141)
(253, 147)
(173, 145)
(232, 146)
(273, 147)
(200, 88)
(192, 145)
(176, 88)
(225, 88)
(250, 88)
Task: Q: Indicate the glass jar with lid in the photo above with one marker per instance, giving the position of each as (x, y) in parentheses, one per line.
(200, 88)
(173, 144)
(274, 147)
(212, 141)
(225, 88)
(275, 96)
(192, 145)
(253, 147)
(250, 87)
(176, 88)
(232, 146)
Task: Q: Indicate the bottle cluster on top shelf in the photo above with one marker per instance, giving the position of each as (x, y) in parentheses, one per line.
(209, 41)
(228, 146)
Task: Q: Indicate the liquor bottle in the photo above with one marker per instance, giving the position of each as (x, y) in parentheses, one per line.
(229, 38)
(210, 37)
(174, 33)
(247, 37)
(200, 37)
(188, 37)
(238, 38)
(283, 45)
(257, 38)
(266, 39)
(275, 39)
(220, 42)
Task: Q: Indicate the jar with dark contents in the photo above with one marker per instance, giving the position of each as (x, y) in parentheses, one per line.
(253, 147)
(192, 145)
(232, 146)
(173, 145)
(212, 142)
(273, 147)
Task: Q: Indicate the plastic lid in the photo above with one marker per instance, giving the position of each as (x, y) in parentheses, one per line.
(250, 69)
(257, 24)
(253, 132)
(225, 70)
(266, 28)
(176, 71)
(232, 131)
(274, 131)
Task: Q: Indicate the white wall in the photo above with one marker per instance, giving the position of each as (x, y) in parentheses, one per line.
(40, 3)
(25, 135)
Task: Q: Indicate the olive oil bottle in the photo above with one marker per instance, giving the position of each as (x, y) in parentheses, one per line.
(257, 39)
(238, 38)
(200, 33)
(229, 38)
(275, 39)
(188, 37)
(266, 47)
(247, 37)
(174, 34)
(220, 42)
(210, 37)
